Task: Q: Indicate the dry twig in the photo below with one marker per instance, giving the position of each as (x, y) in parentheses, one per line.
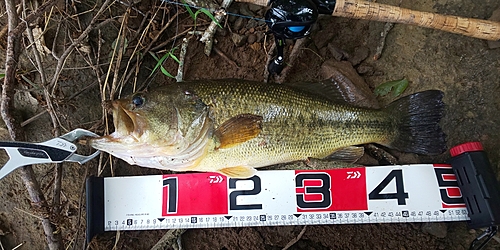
(148, 48)
(383, 35)
(207, 37)
(169, 240)
(62, 59)
(56, 194)
(182, 58)
(380, 155)
(225, 57)
(293, 241)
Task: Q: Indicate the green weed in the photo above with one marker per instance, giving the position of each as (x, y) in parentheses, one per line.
(202, 10)
(159, 62)
(398, 87)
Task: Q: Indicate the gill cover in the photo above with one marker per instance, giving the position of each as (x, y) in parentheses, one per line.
(168, 129)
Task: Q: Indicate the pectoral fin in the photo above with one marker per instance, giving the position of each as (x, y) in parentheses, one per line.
(348, 154)
(240, 172)
(238, 129)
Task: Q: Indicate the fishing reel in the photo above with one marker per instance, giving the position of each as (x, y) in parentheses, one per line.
(292, 19)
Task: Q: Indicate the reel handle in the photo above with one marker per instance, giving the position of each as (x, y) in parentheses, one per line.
(358, 9)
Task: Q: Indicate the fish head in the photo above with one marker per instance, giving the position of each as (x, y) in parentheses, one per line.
(167, 122)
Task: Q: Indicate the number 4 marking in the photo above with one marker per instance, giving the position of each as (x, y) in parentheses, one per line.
(400, 194)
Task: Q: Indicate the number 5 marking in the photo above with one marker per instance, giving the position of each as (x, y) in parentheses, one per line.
(400, 194)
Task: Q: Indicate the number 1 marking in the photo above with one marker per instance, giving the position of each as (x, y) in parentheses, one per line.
(171, 184)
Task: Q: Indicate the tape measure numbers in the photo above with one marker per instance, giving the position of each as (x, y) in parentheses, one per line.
(382, 194)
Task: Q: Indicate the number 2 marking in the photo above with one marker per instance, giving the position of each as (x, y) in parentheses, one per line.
(233, 204)
(400, 194)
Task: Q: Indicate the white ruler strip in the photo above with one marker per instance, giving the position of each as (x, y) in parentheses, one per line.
(384, 194)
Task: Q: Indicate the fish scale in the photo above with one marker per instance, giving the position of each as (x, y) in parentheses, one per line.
(295, 125)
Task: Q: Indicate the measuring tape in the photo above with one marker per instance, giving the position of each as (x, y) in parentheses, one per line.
(382, 194)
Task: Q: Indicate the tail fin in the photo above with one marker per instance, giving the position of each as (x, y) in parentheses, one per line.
(418, 117)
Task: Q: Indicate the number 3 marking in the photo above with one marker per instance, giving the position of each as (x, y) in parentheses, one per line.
(323, 190)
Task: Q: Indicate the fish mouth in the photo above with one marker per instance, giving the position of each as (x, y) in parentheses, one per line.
(130, 127)
(127, 122)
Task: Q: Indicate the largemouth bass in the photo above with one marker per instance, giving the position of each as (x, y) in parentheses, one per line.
(235, 126)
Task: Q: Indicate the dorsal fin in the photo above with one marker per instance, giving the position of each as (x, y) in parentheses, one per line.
(339, 91)
(328, 89)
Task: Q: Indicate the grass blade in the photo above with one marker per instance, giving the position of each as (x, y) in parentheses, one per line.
(189, 10)
(206, 12)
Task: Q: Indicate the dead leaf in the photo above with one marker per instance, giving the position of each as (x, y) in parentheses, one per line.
(256, 46)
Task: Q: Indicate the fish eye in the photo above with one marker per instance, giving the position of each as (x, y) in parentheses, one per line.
(138, 101)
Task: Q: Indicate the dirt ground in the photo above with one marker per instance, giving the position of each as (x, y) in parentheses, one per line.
(464, 68)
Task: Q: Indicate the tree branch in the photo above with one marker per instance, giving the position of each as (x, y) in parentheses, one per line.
(15, 30)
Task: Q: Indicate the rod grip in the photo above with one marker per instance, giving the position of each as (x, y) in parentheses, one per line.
(477, 28)
(256, 2)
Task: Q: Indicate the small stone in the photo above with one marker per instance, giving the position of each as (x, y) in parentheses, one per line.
(232, 18)
(470, 115)
(221, 32)
(493, 44)
(260, 36)
(252, 38)
(323, 52)
(255, 8)
(238, 24)
(245, 11)
(252, 30)
(337, 53)
(365, 69)
(252, 23)
(238, 39)
(360, 54)
(439, 230)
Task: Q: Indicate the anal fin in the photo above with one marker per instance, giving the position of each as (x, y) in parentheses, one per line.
(238, 129)
(348, 154)
(240, 172)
